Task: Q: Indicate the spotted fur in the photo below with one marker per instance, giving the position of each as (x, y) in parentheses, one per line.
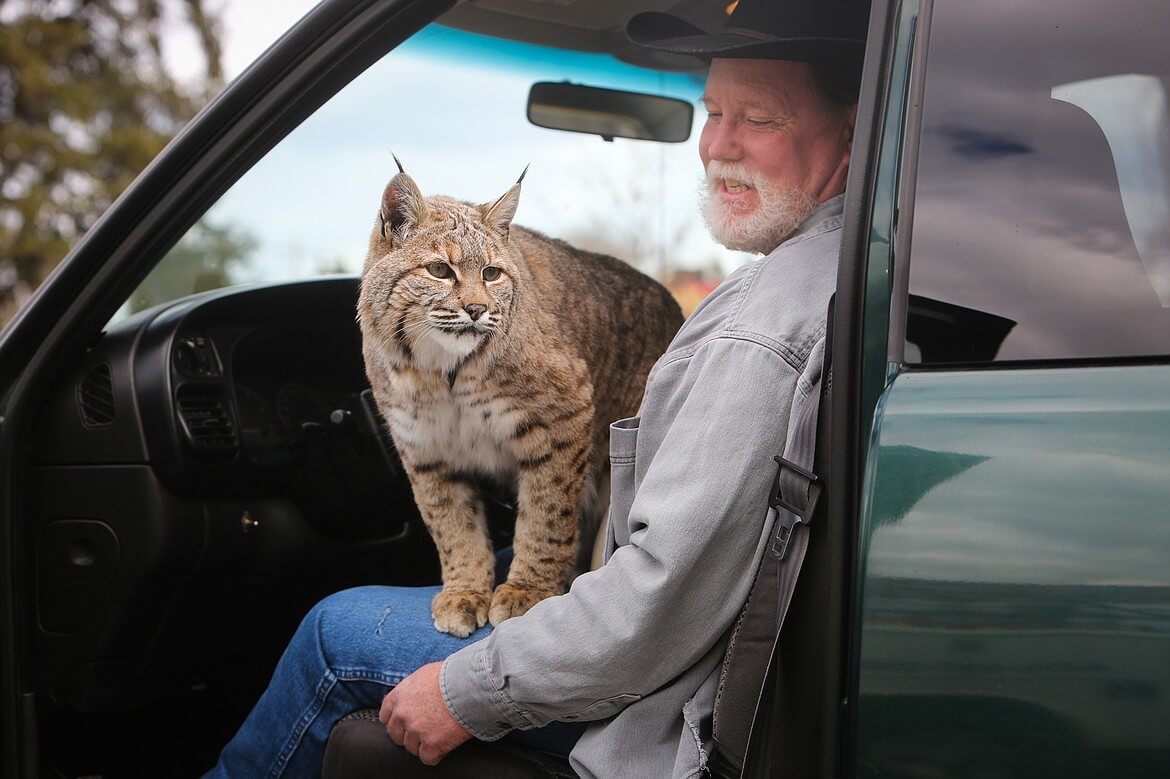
(522, 392)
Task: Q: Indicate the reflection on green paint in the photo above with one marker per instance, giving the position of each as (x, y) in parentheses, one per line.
(1016, 609)
(918, 472)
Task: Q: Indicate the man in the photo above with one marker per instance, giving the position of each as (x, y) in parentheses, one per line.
(636, 646)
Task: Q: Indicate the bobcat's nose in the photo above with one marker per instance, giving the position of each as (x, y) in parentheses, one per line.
(475, 310)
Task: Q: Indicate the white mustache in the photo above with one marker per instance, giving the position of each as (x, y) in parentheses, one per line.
(718, 171)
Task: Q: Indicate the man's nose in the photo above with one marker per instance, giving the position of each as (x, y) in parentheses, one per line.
(475, 310)
(723, 141)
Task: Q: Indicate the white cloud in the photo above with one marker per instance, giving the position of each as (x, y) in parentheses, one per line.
(249, 28)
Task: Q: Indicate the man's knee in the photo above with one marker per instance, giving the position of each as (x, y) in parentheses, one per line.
(337, 625)
(352, 601)
(363, 632)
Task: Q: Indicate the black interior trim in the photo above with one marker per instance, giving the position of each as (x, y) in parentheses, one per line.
(847, 446)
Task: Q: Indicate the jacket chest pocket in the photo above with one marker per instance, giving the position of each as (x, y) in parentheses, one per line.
(623, 445)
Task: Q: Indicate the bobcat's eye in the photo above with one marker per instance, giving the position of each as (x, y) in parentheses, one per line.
(491, 273)
(440, 270)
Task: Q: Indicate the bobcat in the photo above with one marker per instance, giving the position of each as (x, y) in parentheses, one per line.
(495, 351)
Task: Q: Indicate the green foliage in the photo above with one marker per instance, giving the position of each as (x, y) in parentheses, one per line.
(207, 257)
(86, 101)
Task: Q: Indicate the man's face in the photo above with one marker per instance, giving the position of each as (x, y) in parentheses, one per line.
(772, 149)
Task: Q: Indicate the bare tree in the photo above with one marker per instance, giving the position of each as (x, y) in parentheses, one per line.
(631, 217)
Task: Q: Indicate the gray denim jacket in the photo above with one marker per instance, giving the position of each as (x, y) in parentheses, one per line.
(636, 646)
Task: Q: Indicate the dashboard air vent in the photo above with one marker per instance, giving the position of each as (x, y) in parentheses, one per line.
(95, 396)
(207, 423)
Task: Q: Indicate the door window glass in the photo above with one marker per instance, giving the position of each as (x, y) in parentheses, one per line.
(1042, 204)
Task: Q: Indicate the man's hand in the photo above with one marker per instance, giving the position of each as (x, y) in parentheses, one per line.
(416, 717)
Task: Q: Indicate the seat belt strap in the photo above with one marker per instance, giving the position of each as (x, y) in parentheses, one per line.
(755, 635)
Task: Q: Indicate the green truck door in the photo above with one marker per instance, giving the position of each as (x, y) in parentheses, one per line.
(1016, 598)
(1014, 567)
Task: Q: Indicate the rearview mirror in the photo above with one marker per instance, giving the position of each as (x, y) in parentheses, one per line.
(609, 113)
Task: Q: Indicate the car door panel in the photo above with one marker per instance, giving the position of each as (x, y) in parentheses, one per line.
(1014, 617)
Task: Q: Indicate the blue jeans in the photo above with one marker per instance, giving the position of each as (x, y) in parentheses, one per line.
(348, 652)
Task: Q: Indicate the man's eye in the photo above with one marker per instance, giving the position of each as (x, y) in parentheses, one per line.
(440, 270)
(759, 122)
(491, 273)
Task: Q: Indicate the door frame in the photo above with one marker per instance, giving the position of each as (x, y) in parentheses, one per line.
(322, 53)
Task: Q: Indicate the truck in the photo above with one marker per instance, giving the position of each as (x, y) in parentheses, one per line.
(189, 458)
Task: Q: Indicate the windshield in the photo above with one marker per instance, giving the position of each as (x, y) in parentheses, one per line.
(452, 106)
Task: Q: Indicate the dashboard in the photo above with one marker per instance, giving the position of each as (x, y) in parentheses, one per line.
(202, 475)
(227, 394)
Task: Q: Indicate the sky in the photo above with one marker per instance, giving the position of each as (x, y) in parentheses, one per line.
(461, 132)
(249, 27)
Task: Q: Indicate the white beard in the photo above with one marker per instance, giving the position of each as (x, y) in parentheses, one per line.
(778, 213)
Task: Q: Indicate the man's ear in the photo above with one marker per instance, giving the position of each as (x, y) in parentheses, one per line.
(850, 128)
(403, 207)
(498, 216)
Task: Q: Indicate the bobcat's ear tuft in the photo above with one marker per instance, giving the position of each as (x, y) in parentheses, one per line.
(498, 216)
(403, 207)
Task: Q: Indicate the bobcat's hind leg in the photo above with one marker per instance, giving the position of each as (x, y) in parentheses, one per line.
(545, 542)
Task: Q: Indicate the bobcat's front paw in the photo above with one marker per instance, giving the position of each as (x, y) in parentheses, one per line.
(511, 600)
(460, 612)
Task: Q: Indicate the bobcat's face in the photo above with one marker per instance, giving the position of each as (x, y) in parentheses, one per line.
(462, 288)
(438, 281)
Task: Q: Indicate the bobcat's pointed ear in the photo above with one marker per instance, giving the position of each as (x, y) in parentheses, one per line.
(403, 207)
(498, 216)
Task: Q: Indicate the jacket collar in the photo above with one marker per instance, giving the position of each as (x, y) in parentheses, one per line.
(829, 215)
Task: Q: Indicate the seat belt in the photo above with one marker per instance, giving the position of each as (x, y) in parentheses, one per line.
(755, 636)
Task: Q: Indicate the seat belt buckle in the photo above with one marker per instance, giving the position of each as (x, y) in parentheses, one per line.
(792, 510)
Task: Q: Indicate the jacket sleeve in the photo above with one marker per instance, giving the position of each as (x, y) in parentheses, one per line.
(711, 423)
